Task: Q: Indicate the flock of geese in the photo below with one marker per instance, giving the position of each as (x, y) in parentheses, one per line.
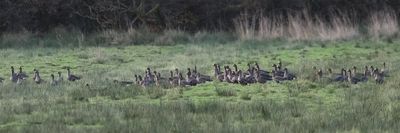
(253, 74)
(21, 76)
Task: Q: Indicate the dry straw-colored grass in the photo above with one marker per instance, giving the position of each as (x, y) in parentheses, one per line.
(303, 26)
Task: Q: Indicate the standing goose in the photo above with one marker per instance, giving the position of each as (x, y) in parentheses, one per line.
(13, 77)
(378, 76)
(277, 71)
(338, 77)
(21, 74)
(241, 78)
(37, 77)
(72, 77)
(351, 79)
(174, 81)
(190, 80)
(53, 81)
(59, 78)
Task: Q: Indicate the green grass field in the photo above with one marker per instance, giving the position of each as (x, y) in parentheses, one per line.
(302, 105)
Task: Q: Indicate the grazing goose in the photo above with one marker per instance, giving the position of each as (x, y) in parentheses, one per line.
(378, 76)
(21, 74)
(37, 77)
(53, 81)
(351, 79)
(72, 77)
(174, 81)
(13, 77)
(60, 78)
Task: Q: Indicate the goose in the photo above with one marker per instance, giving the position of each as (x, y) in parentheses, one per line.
(338, 77)
(217, 71)
(241, 79)
(249, 77)
(364, 78)
(355, 73)
(37, 77)
(351, 79)
(72, 77)
(287, 75)
(173, 80)
(227, 76)
(277, 78)
(262, 72)
(60, 78)
(233, 77)
(378, 76)
(13, 77)
(278, 71)
(137, 81)
(190, 80)
(259, 78)
(372, 74)
(203, 79)
(53, 81)
(142, 82)
(21, 74)
(187, 82)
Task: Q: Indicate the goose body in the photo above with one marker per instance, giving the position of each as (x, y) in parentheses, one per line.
(72, 77)
(53, 80)
(37, 78)
(351, 79)
(21, 74)
(59, 78)
(14, 78)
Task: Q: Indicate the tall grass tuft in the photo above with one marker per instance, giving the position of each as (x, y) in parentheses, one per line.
(383, 24)
(303, 26)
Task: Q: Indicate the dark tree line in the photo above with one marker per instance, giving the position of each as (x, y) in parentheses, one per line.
(189, 15)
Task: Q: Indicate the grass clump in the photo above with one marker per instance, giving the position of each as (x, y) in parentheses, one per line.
(226, 92)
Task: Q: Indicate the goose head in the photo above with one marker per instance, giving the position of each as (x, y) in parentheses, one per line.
(52, 77)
